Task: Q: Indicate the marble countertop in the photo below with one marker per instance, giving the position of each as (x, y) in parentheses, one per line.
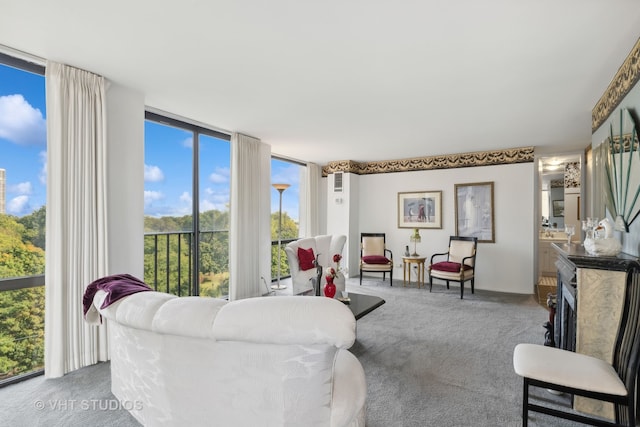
(578, 256)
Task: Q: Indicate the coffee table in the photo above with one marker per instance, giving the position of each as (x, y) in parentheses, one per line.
(361, 305)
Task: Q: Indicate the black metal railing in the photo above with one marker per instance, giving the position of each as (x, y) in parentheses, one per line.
(279, 256)
(22, 335)
(169, 262)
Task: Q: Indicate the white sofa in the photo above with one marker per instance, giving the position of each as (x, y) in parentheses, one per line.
(324, 247)
(270, 361)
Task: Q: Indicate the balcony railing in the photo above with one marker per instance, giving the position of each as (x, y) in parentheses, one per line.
(169, 262)
(22, 332)
(168, 268)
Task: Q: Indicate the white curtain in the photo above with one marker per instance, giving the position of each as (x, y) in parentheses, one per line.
(76, 240)
(250, 226)
(310, 200)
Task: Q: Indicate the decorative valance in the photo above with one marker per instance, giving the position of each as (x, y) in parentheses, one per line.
(448, 161)
(624, 80)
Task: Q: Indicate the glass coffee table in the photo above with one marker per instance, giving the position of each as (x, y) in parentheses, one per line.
(361, 305)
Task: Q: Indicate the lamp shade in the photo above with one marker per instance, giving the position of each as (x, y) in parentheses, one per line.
(415, 237)
(280, 187)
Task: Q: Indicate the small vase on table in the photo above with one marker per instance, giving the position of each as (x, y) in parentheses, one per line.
(329, 288)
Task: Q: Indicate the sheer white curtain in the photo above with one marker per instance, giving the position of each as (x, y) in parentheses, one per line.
(76, 248)
(310, 201)
(250, 212)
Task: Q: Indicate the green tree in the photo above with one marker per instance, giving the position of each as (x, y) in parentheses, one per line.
(22, 310)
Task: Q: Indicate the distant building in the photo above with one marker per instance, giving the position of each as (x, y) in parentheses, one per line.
(3, 193)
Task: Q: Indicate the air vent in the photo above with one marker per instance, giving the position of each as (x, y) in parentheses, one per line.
(337, 182)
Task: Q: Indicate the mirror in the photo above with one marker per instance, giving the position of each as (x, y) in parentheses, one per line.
(559, 200)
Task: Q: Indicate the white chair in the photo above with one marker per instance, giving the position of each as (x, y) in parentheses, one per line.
(578, 374)
(320, 248)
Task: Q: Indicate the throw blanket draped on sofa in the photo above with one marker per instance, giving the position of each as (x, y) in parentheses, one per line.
(116, 286)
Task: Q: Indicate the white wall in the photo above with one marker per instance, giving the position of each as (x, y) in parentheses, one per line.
(506, 265)
(125, 170)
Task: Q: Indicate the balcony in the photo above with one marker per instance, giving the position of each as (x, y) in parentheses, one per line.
(168, 268)
(21, 328)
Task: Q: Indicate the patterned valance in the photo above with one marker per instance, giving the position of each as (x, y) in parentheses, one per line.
(448, 161)
(624, 80)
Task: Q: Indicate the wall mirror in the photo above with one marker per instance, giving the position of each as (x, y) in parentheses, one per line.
(559, 198)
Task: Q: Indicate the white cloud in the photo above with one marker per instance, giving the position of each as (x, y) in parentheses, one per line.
(206, 205)
(18, 205)
(22, 188)
(185, 197)
(152, 196)
(20, 122)
(187, 142)
(220, 176)
(152, 173)
(42, 176)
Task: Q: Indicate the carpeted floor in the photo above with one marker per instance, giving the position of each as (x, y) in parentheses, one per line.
(430, 359)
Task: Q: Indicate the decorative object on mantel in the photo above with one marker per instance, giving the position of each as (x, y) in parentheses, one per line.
(606, 245)
(415, 238)
(621, 174)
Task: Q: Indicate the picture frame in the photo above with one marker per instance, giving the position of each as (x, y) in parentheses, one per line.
(474, 211)
(558, 208)
(421, 209)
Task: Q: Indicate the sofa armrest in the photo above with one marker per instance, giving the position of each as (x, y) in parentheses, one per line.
(286, 320)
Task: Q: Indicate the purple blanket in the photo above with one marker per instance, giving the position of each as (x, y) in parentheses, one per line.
(117, 286)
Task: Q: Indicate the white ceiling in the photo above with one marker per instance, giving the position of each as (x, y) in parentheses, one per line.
(350, 79)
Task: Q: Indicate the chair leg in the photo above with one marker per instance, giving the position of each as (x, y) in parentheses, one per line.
(525, 403)
(447, 284)
(472, 286)
(430, 283)
(391, 277)
(360, 277)
(461, 290)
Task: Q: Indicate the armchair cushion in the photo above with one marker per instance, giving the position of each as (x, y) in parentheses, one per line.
(375, 259)
(452, 267)
(306, 258)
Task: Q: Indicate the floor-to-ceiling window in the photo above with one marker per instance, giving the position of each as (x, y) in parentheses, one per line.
(284, 172)
(186, 206)
(23, 148)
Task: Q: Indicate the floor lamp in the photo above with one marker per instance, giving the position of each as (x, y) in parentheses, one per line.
(280, 188)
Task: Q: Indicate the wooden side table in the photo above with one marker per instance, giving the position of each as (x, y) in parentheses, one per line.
(406, 266)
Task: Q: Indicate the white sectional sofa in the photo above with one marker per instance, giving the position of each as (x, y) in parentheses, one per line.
(270, 361)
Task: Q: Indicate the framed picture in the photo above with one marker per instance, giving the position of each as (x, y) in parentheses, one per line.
(420, 210)
(558, 207)
(474, 211)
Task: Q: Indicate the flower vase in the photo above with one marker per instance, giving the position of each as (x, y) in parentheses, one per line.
(329, 288)
(340, 283)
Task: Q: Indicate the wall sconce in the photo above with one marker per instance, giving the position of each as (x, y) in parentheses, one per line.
(415, 238)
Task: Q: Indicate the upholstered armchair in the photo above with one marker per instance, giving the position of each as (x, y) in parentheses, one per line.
(374, 256)
(457, 264)
(303, 254)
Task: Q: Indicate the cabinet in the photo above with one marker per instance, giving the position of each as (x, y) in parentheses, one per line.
(590, 294)
(546, 259)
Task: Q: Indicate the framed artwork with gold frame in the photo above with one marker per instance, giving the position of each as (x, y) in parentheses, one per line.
(420, 209)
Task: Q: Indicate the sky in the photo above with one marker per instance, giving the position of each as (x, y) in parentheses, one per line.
(168, 158)
(23, 139)
(168, 170)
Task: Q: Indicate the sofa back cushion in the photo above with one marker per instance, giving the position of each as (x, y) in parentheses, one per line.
(330, 320)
